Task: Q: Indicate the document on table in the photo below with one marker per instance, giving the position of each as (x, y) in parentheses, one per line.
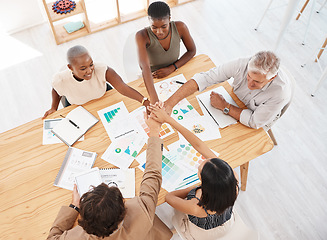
(124, 179)
(202, 126)
(219, 117)
(48, 136)
(168, 87)
(122, 151)
(76, 161)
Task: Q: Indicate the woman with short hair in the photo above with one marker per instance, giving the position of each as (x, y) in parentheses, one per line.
(159, 46)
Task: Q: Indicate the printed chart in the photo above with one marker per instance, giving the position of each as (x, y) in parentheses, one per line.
(168, 87)
(172, 174)
(124, 150)
(111, 117)
(165, 131)
(184, 110)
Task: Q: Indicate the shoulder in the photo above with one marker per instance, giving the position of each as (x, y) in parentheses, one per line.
(142, 35)
(100, 66)
(181, 27)
(59, 77)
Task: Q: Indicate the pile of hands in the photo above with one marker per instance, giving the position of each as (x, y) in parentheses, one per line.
(156, 115)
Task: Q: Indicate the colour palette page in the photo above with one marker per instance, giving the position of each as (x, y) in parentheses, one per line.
(138, 115)
(172, 174)
(168, 87)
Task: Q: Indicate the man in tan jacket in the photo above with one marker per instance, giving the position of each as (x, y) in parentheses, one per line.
(103, 213)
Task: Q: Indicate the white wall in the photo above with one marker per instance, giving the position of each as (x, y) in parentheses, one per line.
(16, 15)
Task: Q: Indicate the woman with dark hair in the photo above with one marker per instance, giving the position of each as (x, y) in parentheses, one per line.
(205, 211)
(159, 46)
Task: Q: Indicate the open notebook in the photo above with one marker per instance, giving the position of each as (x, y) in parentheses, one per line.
(74, 125)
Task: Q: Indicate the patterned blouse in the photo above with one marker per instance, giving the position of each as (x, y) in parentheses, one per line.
(211, 220)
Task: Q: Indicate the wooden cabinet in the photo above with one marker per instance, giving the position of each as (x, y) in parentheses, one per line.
(97, 15)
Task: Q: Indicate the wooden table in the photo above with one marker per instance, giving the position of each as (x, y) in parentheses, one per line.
(29, 202)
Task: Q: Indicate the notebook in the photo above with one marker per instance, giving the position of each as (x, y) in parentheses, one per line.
(124, 179)
(76, 161)
(74, 125)
(217, 115)
(85, 181)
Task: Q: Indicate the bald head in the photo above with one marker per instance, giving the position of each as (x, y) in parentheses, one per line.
(75, 52)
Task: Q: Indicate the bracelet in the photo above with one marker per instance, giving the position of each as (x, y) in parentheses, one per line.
(74, 207)
(175, 66)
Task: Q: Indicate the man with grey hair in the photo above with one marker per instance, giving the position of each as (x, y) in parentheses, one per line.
(258, 83)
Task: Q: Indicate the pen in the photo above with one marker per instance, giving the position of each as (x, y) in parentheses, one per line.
(179, 82)
(70, 121)
(208, 111)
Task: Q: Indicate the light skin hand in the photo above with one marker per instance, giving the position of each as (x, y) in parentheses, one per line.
(158, 114)
(218, 101)
(75, 197)
(153, 125)
(163, 72)
(168, 108)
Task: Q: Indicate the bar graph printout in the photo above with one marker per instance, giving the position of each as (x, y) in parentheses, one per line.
(111, 116)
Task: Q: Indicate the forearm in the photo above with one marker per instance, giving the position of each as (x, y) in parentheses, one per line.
(131, 93)
(235, 112)
(149, 84)
(185, 58)
(151, 182)
(182, 193)
(184, 91)
(55, 99)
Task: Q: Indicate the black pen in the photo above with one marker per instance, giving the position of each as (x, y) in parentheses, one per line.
(70, 121)
(208, 111)
(179, 82)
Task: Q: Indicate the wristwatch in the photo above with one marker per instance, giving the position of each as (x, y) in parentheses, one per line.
(74, 207)
(226, 109)
(143, 100)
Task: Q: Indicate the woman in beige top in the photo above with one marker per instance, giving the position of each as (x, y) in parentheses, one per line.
(84, 81)
(159, 46)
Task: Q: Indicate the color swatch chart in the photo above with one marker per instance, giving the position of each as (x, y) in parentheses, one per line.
(172, 174)
(187, 155)
(138, 114)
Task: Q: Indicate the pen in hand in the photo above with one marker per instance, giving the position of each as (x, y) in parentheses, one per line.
(179, 82)
(70, 121)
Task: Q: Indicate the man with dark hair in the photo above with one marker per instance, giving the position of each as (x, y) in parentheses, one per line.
(103, 213)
